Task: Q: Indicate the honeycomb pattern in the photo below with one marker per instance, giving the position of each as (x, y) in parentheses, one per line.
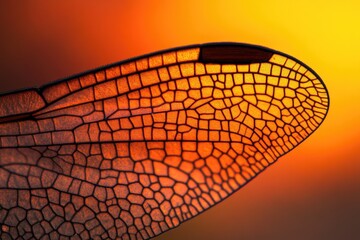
(134, 149)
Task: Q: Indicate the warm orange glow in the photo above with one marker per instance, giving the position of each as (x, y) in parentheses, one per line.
(311, 192)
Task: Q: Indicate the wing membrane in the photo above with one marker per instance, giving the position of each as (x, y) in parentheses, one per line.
(134, 149)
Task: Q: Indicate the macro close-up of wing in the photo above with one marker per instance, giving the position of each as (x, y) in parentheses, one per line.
(133, 149)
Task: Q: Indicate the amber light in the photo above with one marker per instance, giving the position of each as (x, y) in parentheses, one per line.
(134, 149)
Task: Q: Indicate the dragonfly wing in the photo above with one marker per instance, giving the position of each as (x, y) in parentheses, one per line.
(133, 149)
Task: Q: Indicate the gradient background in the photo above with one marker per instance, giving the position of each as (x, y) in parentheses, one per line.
(311, 193)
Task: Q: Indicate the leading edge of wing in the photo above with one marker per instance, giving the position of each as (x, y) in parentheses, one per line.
(217, 52)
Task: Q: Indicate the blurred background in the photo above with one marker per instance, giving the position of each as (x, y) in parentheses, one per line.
(312, 192)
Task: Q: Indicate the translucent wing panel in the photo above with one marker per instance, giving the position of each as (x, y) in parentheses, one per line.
(20, 103)
(135, 149)
(122, 69)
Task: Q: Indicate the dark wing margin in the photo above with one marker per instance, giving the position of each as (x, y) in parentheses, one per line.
(240, 54)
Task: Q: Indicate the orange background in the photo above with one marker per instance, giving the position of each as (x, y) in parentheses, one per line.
(311, 193)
